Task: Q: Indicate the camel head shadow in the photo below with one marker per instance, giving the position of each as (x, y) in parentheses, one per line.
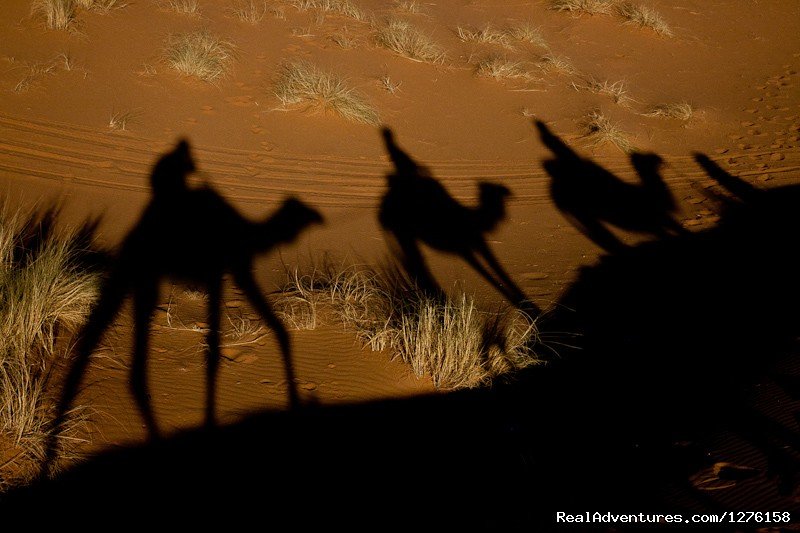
(417, 209)
(194, 236)
(592, 198)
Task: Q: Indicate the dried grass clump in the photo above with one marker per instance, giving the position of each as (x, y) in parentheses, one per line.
(101, 6)
(486, 35)
(599, 130)
(199, 54)
(301, 82)
(249, 11)
(527, 34)
(501, 68)
(58, 14)
(616, 90)
(402, 38)
(645, 17)
(48, 284)
(680, 111)
(591, 7)
(184, 7)
(33, 73)
(449, 340)
(502, 37)
(551, 63)
(338, 7)
(119, 120)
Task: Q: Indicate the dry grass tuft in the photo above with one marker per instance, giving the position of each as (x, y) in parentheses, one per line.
(451, 341)
(527, 34)
(551, 63)
(102, 6)
(503, 37)
(199, 54)
(344, 39)
(486, 35)
(33, 73)
(388, 85)
(402, 38)
(58, 14)
(250, 11)
(302, 82)
(501, 68)
(48, 288)
(119, 120)
(591, 7)
(599, 130)
(616, 90)
(184, 7)
(680, 111)
(338, 7)
(407, 6)
(645, 17)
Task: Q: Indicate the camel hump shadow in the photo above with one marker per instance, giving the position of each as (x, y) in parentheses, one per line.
(417, 209)
(189, 235)
(592, 198)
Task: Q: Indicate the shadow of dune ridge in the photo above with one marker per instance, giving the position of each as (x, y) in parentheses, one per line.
(417, 209)
(190, 235)
(591, 197)
(681, 398)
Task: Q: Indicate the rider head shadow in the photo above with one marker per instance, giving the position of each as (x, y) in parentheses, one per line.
(417, 209)
(592, 198)
(192, 235)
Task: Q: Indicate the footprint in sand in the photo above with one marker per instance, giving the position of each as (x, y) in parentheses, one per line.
(207, 109)
(256, 129)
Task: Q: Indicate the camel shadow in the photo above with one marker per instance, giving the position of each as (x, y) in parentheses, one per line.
(591, 197)
(417, 209)
(190, 235)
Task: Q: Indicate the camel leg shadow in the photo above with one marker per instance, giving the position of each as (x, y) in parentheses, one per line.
(144, 302)
(244, 279)
(105, 310)
(213, 354)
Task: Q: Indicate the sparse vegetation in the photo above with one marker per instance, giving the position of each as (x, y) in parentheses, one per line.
(502, 68)
(102, 6)
(679, 111)
(344, 39)
(250, 11)
(451, 341)
(33, 73)
(599, 130)
(390, 86)
(557, 64)
(199, 54)
(645, 17)
(527, 34)
(412, 7)
(119, 120)
(58, 14)
(404, 39)
(486, 35)
(302, 82)
(48, 286)
(502, 37)
(338, 7)
(616, 90)
(591, 7)
(184, 7)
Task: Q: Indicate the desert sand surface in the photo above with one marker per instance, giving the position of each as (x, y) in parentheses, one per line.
(668, 375)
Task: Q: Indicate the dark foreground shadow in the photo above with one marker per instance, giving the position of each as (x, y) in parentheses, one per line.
(682, 398)
(190, 235)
